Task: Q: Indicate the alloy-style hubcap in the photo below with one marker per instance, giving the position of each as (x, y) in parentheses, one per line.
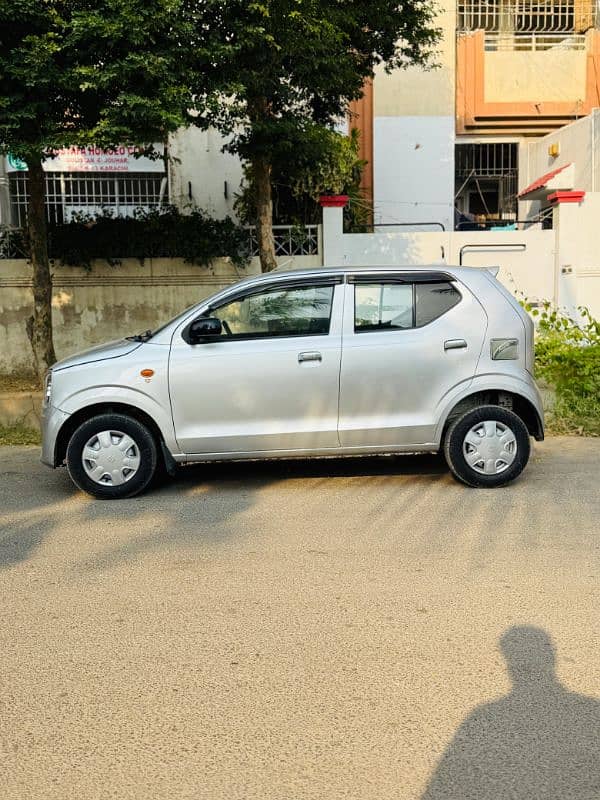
(490, 447)
(110, 458)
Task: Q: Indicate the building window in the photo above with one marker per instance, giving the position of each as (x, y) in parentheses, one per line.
(70, 193)
(486, 183)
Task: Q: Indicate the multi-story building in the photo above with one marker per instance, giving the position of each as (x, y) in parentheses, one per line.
(456, 145)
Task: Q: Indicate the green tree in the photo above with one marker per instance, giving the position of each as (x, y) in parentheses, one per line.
(281, 65)
(316, 161)
(73, 73)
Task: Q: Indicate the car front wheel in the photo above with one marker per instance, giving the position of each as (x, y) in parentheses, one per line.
(112, 456)
(487, 447)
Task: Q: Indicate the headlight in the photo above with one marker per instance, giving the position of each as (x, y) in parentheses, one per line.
(504, 349)
(47, 387)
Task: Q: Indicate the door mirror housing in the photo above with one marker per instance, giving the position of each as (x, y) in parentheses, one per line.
(204, 329)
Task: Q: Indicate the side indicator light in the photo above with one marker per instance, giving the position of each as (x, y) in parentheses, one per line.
(147, 373)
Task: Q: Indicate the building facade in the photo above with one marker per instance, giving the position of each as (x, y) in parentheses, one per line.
(455, 146)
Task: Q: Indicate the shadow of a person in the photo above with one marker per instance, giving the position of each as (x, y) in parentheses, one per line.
(539, 741)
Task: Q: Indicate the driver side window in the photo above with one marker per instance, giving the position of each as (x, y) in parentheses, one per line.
(298, 311)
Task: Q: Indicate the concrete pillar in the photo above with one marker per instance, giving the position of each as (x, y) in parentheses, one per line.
(575, 222)
(333, 229)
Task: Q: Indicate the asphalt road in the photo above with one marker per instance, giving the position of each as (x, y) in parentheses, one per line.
(361, 629)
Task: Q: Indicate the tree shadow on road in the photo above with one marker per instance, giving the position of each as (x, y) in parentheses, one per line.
(197, 499)
(35, 502)
(539, 741)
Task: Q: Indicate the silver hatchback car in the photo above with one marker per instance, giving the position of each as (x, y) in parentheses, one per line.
(325, 362)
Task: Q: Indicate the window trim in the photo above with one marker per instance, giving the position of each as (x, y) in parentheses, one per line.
(250, 291)
(400, 277)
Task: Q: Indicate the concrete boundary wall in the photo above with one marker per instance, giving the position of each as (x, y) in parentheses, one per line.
(108, 302)
(561, 265)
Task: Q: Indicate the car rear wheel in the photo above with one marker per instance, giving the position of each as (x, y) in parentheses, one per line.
(487, 447)
(112, 456)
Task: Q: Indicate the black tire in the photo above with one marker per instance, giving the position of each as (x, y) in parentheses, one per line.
(146, 449)
(455, 439)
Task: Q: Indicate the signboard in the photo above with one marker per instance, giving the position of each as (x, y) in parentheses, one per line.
(94, 159)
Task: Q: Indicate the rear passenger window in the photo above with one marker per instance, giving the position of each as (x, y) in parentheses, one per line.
(399, 306)
(380, 306)
(432, 300)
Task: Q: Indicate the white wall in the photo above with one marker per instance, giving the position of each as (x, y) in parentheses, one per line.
(578, 254)
(527, 259)
(414, 169)
(201, 162)
(560, 265)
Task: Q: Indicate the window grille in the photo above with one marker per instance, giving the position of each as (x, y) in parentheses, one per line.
(68, 193)
(526, 16)
(486, 160)
(290, 240)
(488, 170)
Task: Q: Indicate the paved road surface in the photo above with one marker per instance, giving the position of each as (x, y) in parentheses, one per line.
(274, 633)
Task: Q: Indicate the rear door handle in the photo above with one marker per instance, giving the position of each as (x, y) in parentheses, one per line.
(309, 357)
(454, 344)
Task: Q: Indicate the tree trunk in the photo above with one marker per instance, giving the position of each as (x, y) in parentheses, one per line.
(264, 213)
(39, 326)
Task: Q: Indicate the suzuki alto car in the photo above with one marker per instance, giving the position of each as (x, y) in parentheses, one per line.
(326, 362)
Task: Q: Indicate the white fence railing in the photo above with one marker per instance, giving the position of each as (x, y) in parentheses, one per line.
(534, 41)
(290, 240)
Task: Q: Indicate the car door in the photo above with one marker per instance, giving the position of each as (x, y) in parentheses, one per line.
(270, 381)
(408, 340)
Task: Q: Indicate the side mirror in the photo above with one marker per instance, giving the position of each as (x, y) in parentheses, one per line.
(204, 329)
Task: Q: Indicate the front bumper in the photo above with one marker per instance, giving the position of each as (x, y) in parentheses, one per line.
(52, 421)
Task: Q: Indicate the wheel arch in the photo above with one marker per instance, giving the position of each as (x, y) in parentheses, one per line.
(513, 401)
(72, 422)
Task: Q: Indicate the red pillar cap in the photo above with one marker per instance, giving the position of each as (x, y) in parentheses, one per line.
(333, 200)
(574, 196)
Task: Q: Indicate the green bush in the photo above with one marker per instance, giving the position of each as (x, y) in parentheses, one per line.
(164, 233)
(18, 434)
(567, 357)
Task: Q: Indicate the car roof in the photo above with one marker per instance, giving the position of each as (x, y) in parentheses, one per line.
(364, 268)
(284, 275)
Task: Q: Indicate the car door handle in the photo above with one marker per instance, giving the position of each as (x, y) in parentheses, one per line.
(309, 357)
(454, 344)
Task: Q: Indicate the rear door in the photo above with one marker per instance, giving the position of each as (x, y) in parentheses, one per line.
(408, 340)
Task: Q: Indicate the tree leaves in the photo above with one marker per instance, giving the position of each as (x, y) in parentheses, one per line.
(107, 74)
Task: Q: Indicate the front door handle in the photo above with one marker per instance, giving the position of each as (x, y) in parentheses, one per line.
(454, 344)
(313, 356)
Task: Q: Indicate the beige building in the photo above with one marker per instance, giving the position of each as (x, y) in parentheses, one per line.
(455, 145)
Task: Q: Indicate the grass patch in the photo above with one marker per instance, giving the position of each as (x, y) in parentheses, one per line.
(19, 435)
(575, 417)
(567, 359)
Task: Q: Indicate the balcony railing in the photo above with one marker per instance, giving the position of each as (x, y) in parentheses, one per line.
(534, 41)
(526, 16)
